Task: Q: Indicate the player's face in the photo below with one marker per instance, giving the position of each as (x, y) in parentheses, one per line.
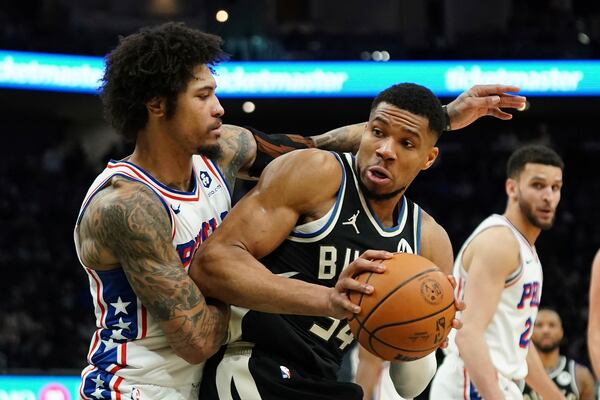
(547, 332)
(395, 147)
(538, 193)
(196, 122)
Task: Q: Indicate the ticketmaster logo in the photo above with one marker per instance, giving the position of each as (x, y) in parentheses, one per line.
(550, 80)
(264, 81)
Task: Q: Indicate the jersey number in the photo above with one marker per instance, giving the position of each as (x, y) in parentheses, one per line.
(526, 336)
(343, 334)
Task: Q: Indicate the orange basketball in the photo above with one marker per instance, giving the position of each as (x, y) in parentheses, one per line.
(410, 312)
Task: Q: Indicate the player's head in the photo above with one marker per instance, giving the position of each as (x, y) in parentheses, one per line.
(548, 331)
(405, 123)
(164, 73)
(534, 182)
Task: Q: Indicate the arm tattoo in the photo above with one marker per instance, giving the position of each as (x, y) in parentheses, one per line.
(239, 147)
(134, 225)
(346, 138)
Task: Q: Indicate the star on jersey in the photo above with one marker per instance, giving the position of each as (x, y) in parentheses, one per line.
(98, 393)
(122, 324)
(109, 344)
(352, 221)
(98, 381)
(120, 306)
(117, 335)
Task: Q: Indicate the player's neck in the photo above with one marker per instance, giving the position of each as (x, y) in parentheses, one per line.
(165, 162)
(386, 210)
(550, 360)
(522, 224)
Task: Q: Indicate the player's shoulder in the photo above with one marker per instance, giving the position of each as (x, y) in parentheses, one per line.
(583, 373)
(499, 238)
(308, 163)
(494, 247)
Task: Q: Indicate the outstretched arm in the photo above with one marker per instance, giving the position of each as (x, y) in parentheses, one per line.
(245, 153)
(127, 225)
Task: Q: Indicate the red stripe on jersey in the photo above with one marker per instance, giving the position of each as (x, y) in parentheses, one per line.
(99, 297)
(155, 186)
(209, 165)
(460, 282)
(116, 388)
(144, 318)
(124, 354)
(93, 192)
(94, 346)
(82, 384)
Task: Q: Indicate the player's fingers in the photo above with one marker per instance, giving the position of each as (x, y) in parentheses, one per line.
(344, 303)
(457, 324)
(444, 344)
(496, 112)
(376, 255)
(510, 101)
(347, 284)
(460, 305)
(486, 90)
(361, 265)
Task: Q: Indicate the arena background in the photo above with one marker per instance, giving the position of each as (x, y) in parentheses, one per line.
(53, 144)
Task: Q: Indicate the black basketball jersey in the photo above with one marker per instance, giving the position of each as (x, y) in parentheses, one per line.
(316, 252)
(564, 377)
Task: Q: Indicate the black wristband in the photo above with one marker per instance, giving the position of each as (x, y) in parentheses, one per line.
(447, 127)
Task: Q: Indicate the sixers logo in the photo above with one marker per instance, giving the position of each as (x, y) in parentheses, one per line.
(205, 179)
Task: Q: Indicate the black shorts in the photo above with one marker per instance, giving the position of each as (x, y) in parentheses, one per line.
(244, 373)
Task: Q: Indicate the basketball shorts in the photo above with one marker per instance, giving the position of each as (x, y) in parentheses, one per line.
(249, 374)
(137, 391)
(451, 382)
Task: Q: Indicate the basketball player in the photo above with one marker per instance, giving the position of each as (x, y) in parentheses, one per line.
(593, 334)
(144, 216)
(574, 380)
(312, 213)
(500, 279)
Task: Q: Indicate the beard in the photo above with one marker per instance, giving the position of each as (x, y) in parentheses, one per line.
(212, 152)
(377, 196)
(548, 348)
(527, 210)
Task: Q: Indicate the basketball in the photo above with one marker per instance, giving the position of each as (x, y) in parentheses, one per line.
(409, 314)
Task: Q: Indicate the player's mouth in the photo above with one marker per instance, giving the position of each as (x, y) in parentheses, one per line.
(216, 129)
(379, 175)
(546, 212)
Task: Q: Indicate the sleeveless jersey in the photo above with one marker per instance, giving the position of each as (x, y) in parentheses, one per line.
(564, 377)
(510, 330)
(316, 252)
(128, 344)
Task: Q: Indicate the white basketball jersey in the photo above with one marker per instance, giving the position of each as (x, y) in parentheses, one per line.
(510, 330)
(128, 344)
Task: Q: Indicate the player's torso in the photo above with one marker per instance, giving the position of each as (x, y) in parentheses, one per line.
(128, 343)
(509, 333)
(563, 376)
(317, 252)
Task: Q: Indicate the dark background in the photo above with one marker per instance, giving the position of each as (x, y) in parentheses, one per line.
(53, 144)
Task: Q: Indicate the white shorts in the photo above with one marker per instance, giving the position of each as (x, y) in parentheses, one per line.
(452, 382)
(137, 391)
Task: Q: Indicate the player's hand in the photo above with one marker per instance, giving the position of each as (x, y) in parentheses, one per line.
(340, 305)
(483, 100)
(460, 306)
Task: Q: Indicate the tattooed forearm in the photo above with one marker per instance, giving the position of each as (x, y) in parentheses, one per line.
(237, 147)
(130, 221)
(346, 138)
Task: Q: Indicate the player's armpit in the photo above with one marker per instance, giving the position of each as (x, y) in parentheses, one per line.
(131, 221)
(435, 244)
(585, 382)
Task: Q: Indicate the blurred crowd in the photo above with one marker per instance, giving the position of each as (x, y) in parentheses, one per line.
(45, 307)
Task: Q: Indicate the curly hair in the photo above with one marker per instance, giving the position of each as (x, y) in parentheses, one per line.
(416, 99)
(155, 61)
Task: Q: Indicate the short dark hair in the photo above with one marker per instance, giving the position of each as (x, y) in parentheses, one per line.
(416, 99)
(155, 61)
(534, 154)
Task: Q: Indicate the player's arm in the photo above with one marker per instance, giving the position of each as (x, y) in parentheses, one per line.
(488, 265)
(593, 333)
(245, 152)
(302, 183)
(537, 377)
(368, 372)
(127, 223)
(585, 383)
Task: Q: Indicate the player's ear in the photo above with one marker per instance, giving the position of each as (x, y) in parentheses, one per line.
(157, 106)
(431, 156)
(511, 188)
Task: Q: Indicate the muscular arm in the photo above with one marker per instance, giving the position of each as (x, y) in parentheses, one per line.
(488, 265)
(593, 333)
(127, 223)
(226, 267)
